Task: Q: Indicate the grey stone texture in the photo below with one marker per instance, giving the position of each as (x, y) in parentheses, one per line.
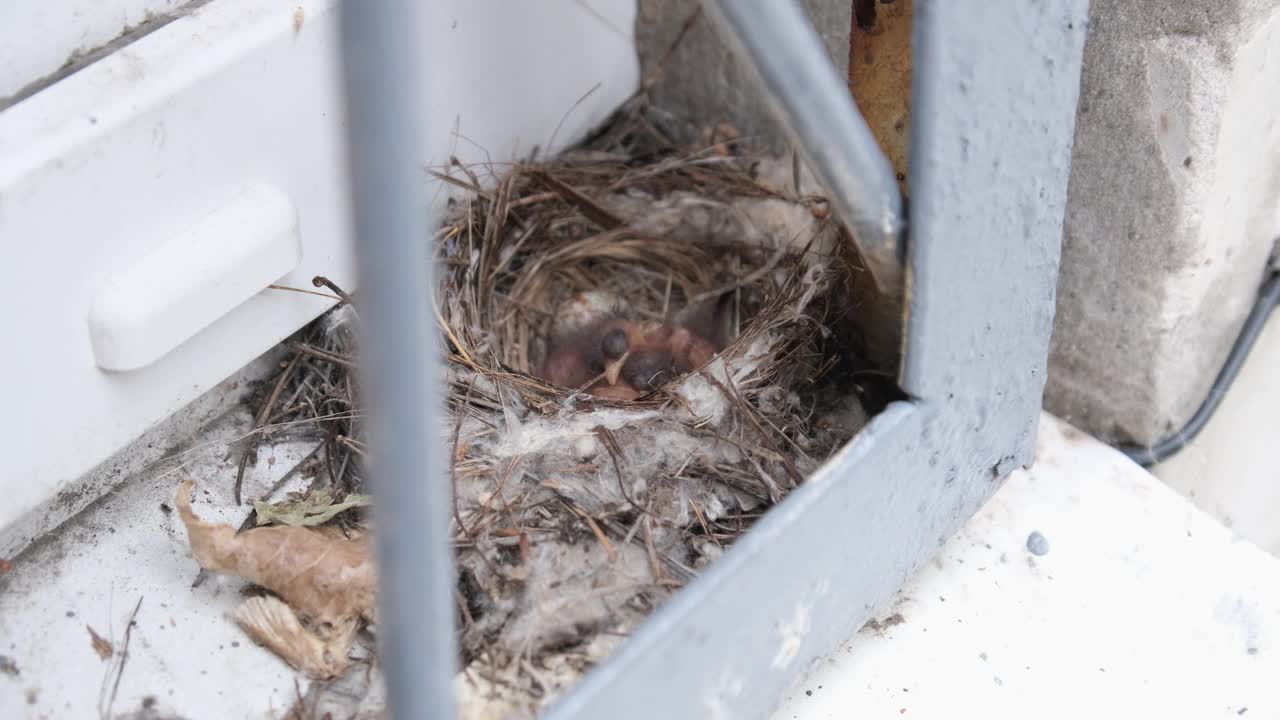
(700, 81)
(1172, 208)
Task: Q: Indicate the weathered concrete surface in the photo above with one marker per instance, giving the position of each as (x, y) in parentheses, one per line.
(693, 72)
(1172, 208)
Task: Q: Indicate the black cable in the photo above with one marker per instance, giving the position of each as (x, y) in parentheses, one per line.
(1268, 298)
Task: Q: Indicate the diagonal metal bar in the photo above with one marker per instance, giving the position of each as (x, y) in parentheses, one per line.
(400, 363)
(813, 101)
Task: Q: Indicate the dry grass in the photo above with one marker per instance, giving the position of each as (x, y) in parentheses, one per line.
(575, 516)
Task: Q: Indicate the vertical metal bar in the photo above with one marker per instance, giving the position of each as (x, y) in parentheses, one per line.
(399, 365)
(813, 101)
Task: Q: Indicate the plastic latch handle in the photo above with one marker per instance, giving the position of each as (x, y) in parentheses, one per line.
(167, 297)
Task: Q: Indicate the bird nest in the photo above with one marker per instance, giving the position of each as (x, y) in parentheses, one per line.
(647, 347)
(645, 353)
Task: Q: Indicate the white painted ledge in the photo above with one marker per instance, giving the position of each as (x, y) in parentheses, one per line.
(1143, 607)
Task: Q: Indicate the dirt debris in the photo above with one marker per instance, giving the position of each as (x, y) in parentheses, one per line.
(880, 625)
(101, 646)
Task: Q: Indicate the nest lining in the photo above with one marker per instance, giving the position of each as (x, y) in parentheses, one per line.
(577, 513)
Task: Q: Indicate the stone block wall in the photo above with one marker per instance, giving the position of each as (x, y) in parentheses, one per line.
(1174, 205)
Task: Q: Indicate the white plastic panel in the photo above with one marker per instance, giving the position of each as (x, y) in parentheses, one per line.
(106, 166)
(187, 283)
(37, 39)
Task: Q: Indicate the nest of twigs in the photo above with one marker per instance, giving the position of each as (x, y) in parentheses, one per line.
(579, 507)
(584, 497)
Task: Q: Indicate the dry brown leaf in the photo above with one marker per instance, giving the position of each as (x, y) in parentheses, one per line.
(275, 625)
(100, 644)
(326, 582)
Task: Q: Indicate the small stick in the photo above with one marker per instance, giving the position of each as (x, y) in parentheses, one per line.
(611, 446)
(552, 140)
(322, 281)
(453, 482)
(533, 200)
(453, 468)
(697, 512)
(263, 413)
(462, 605)
(342, 474)
(458, 183)
(455, 162)
(502, 483)
(305, 292)
(543, 686)
(328, 441)
(660, 67)
(589, 208)
(124, 655)
(732, 394)
(353, 445)
(743, 281)
(655, 565)
(685, 574)
(316, 352)
(595, 529)
(666, 297)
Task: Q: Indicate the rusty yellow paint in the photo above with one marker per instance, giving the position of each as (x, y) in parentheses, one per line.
(880, 78)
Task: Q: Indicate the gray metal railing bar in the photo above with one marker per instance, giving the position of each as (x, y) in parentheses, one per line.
(401, 373)
(813, 101)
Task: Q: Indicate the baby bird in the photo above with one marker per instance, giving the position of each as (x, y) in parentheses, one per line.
(649, 358)
(590, 356)
(621, 360)
(567, 367)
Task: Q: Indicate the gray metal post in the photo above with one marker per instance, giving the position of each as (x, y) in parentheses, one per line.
(813, 101)
(400, 373)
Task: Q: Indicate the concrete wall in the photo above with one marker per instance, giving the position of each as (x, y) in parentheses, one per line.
(1173, 208)
(688, 68)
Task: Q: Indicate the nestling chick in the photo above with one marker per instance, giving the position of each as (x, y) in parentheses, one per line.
(625, 359)
(567, 367)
